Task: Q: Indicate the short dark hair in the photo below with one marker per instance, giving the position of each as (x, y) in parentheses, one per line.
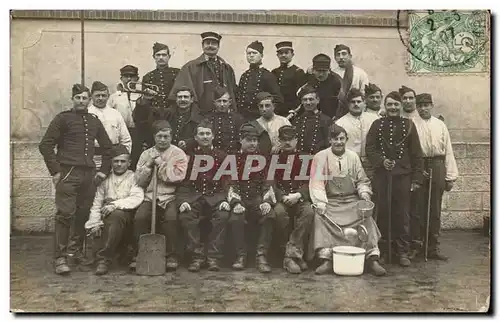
(206, 123)
(394, 95)
(184, 89)
(335, 130)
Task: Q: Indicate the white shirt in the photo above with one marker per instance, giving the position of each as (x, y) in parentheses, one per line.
(114, 125)
(326, 165)
(357, 128)
(376, 113)
(272, 126)
(120, 101)
(412, 116)
(123, 188)
(435, 141)
(359, 77)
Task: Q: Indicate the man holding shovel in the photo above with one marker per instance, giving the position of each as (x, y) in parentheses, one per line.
(113, 208)
(171, 164)
(338, 182)
(393, 149)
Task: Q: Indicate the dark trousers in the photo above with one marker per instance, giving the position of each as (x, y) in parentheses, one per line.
(74, 197)
(137, 141)
(249, 226)
(400, 217)
(115, 228)
(304, 215)
(201, 212)
(166, 224)
(422, 198)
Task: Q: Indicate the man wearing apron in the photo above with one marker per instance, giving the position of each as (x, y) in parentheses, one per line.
(337, 183)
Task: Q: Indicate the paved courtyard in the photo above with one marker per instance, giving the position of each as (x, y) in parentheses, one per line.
(462, 284)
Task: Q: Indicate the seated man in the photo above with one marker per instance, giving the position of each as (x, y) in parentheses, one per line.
(202, 198)
(293, 200)
(248, 198)
(337, 183)
(171, 164)
(113, 209)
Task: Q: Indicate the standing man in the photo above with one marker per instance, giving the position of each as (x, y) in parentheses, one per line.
(110, 118)
(200, 198)
(249, 203)
(373, 95)
(73, 172)
(254, 80)
(438, 156)
(268, 119)
(114, 207)
(393, 149)
(352, 76)
(290, 77)
(171, 163)
(408, 96)
(205, 73)
(124, 101)
(312, 125)
(293, 201)
(336, 185)
(226, 122)
(328, 86)
(162, 76)
(357, 124)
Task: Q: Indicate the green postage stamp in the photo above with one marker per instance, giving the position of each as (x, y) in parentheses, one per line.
(448, 42)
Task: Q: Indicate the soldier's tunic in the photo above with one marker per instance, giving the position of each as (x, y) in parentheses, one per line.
(226, 130)
(357, 128)
(395, 138)
(328, 92)
(437, 153)
(290, 79)
(250, 193)
(301, 211)
(183, 123)
(164, 78)
(312, 128)
(204, 195)
(254, 80)
(73, 133)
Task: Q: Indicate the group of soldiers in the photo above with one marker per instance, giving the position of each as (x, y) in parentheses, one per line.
(345, 146)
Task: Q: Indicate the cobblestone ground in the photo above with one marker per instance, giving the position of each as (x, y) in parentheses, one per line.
(462, 284)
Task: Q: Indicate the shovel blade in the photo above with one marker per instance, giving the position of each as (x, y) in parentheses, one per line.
(151, 259)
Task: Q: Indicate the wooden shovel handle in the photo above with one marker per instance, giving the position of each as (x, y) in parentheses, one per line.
(153, 202)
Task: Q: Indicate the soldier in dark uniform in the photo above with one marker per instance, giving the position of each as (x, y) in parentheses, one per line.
(226, 122)
(312, 125)
(254, 80)
(290, 77)
(206, 73)
(293, 200)
(393, 148)
(201, 198)
(250, 199)
(73, 172)
(328, 86)
(163, 76)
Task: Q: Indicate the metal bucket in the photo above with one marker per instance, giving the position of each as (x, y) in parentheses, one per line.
(348, 260)
(365, 209)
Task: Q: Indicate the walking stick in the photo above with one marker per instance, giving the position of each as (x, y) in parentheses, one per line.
(426, 247)
(389, 214)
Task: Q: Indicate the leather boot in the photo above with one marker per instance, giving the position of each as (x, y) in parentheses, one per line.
(133, 264)
(213, 265)
(326, 267)
(240, 263)
(437, 255)
(61, 266)
(262, 264)
(102, 268)
(195, 265)
(291, 266)
(375, 267)
(404, 261)
(302, 263)
(172, 263)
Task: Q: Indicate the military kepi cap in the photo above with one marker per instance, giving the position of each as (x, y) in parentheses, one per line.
(159, 46)
(424, 98)
(284, 45)
(210, 35)
(129, 70)
(257, 45)
(321, 61)
(287, 132)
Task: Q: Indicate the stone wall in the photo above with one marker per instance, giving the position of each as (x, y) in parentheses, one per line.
(33, 193)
